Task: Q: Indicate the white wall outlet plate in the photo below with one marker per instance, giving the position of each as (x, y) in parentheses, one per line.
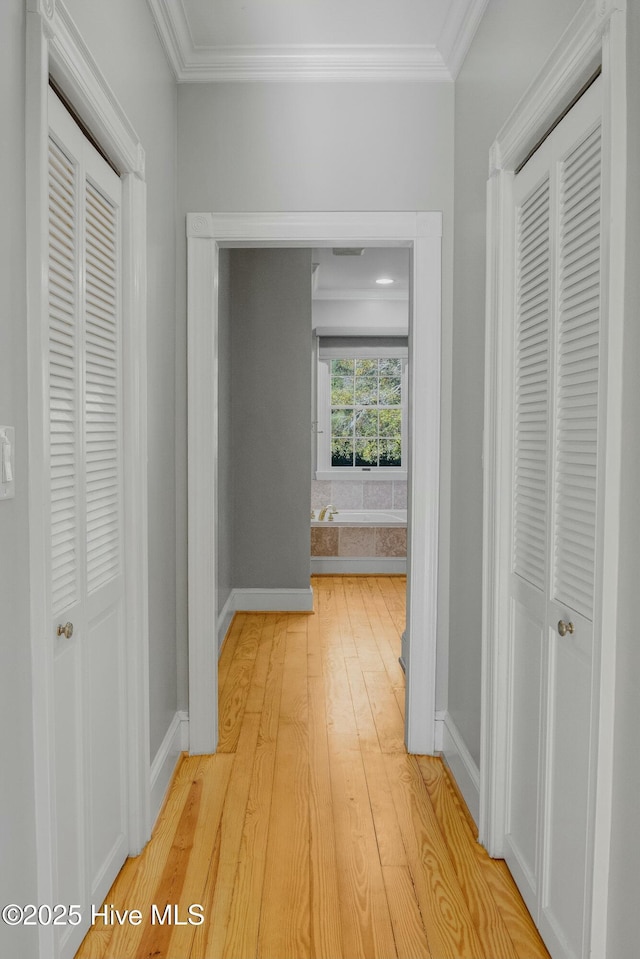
(7, 459)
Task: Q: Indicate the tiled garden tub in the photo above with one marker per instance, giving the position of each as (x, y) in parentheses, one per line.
(359, 541)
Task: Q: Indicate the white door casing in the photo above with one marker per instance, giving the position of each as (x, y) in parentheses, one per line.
(422, 234)
(596, 36)
(55, 47)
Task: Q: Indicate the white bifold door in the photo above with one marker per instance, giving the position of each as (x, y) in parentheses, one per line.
(85, 574)
(555, 524)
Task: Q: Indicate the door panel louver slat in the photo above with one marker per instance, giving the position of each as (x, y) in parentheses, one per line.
(576, 438)
(101, 391)
(63, 383)
(532, 352)
(585, 228)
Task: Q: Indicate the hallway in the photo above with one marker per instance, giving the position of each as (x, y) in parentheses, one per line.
(311, 832)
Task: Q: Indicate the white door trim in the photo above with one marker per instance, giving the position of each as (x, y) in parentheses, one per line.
(56, 48)
(422, 234)
(596, 35)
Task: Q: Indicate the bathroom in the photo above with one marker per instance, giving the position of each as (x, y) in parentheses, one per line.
(274, 342)
(360, 316)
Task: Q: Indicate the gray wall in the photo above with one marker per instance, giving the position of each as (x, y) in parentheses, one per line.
(326, 147)
(270, 417)
(513, 41)
(17, 815)
(306, 146)
(224, 496)
(625, 852)
(122, 39)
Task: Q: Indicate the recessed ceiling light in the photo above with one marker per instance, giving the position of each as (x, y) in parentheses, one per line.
(384, 280)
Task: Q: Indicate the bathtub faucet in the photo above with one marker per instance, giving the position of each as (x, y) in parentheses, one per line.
(331, 510)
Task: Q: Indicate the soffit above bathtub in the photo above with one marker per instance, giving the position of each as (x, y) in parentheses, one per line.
(316, 40)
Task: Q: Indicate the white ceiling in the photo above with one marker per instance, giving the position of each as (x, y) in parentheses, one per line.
(316, 40)
(354, 277)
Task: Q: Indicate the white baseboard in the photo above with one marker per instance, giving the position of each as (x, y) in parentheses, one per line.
(262, 601)
(358, 564)
(273, 600)
(460, 762)
(224, 620)
(175, 742)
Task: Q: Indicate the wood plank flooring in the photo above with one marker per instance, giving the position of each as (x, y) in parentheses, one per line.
(311, 833)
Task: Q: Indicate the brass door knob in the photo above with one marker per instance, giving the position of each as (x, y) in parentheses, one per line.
(66, 630)
(564, 628)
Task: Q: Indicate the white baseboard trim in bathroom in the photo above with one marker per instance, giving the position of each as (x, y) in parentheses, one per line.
(358, 564)
(461, 764)
(273, 600)
(175, 742)
(224, 620)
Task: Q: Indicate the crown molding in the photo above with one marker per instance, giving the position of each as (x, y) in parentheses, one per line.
(173, 30)
(463, 20)
(311, 63)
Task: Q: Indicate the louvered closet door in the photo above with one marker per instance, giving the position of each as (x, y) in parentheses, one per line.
(555, 480)
(86, 564)
(533, 298)
(573, 548)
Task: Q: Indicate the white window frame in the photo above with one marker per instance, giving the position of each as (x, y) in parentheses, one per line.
(325, 471)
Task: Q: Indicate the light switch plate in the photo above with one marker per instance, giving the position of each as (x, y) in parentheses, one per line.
(7, 462)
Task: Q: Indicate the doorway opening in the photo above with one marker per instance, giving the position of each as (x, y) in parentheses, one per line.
(360, 362)
(421, 234)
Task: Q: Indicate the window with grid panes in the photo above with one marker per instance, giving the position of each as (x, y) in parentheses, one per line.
(362, 411)
(366, 412)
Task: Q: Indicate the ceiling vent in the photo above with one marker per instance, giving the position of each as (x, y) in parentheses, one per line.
(347, 250)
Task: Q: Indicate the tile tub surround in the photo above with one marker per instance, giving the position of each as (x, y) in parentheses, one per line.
(399, 495)
(359, 494)
(390, 541)
(320, 494)
(377, 495)
(324, 542)
(366, 541)
(356, 541)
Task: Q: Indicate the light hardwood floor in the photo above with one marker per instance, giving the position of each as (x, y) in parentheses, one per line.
(311, 833)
